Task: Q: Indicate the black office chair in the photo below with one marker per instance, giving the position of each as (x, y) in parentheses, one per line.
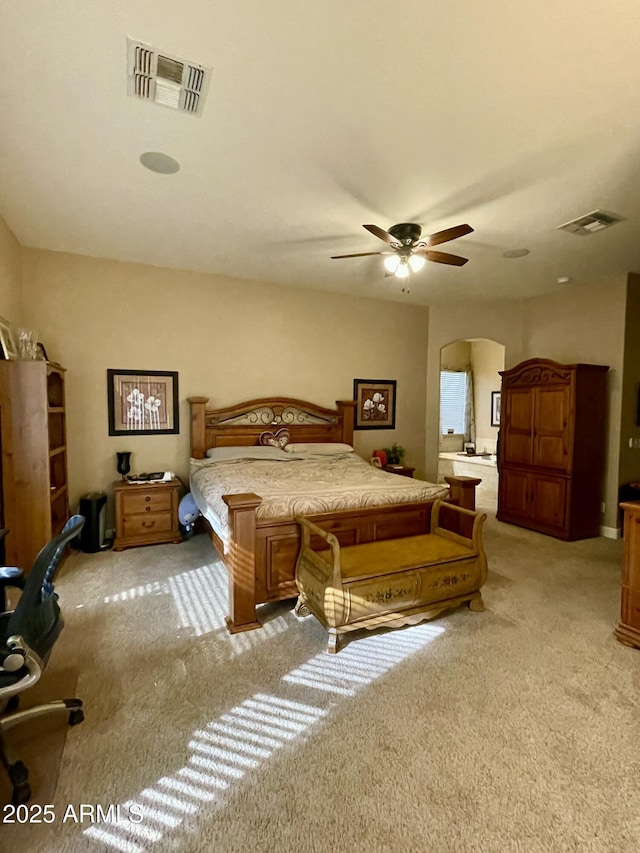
(27, 636)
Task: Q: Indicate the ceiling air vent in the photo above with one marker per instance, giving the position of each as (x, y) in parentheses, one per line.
(156, 76)
(594, 221)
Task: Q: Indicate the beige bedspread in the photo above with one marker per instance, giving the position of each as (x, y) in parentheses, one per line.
(301, 486)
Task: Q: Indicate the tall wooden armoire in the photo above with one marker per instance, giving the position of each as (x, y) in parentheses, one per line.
(34, 457)
(552, 447)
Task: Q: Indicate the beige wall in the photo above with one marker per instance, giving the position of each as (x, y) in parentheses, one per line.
(487, 359)
(10, 276)
(456, 356)
(228, 339)
(580, 324)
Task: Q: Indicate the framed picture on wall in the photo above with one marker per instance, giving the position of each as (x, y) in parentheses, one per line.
(375, 403)
(142, 402)
(495, 408)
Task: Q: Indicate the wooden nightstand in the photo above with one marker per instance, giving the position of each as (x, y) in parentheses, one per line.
(403, 470)
(146, 513)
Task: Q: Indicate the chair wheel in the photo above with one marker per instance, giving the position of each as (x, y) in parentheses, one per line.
(18, 774)
(76, 717)
(21, 794)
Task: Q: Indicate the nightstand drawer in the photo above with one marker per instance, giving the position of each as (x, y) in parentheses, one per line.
(146, 514)
(148, 501)
(142, 524)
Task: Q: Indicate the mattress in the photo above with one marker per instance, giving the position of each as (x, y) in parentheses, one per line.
(291, 484)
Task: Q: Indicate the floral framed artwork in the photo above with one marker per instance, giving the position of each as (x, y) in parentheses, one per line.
(8, 346)
(142, 402)
(375, 403)
(495, 408)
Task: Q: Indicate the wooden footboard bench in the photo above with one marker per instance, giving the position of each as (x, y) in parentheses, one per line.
(391, 582)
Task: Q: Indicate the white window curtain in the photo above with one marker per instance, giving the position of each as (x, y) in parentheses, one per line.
(469, 410)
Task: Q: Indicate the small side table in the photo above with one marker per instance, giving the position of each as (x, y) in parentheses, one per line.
(146, 513)
(403, 470)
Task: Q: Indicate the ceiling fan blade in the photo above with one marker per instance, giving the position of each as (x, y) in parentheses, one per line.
(446, 235)
(446, 258)
(357, 255)
(383, 235)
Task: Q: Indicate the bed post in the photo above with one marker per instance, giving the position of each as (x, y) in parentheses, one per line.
(198, 406)
(347, 409)
(463, 490)
(241, 565)
(463, 493)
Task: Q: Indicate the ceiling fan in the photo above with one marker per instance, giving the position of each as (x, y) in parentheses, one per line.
(409, 250)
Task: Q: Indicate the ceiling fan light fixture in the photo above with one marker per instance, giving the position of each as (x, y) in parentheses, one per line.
(410, 251)
(403, 270)
(391, 263)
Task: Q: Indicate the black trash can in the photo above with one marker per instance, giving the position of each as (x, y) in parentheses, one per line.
(94, 509)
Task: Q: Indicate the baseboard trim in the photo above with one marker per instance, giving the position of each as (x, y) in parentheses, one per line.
(610, 532)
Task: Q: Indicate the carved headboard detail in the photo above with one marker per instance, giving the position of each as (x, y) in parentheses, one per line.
(242, 424)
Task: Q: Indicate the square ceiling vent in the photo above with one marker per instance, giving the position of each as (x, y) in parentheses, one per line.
(597, 220)
(162, 78)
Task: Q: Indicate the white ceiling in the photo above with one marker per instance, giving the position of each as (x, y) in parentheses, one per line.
(322, 116)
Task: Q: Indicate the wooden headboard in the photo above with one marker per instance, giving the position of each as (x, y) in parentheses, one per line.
(242, 424)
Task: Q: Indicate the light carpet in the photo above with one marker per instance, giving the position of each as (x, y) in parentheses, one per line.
(515, 729)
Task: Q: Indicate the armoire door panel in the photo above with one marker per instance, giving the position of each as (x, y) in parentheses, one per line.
(518, 433)
(514, 492)
(549, 500)
(550, 451)
(517, 449)
(552, 409)
(551, 437)
(520, 410)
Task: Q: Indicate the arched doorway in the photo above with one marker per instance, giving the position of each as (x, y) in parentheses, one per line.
(469, 408)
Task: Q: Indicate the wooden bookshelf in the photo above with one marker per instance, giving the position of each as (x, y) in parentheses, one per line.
(34, 456)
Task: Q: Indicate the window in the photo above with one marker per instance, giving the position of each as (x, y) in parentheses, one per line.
(453, 400)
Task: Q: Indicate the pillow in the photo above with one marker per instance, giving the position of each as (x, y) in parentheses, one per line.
(275, 439)
(330, 448)
(253, 451)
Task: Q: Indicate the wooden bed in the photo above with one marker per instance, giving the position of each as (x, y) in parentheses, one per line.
(262, 553)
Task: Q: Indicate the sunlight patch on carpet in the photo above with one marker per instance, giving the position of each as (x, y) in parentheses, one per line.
(361, 663)
(155, 588)
(202, 601)
(242, 739)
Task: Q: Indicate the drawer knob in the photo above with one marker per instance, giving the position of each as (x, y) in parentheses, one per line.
(148, 498)
(148, 523)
